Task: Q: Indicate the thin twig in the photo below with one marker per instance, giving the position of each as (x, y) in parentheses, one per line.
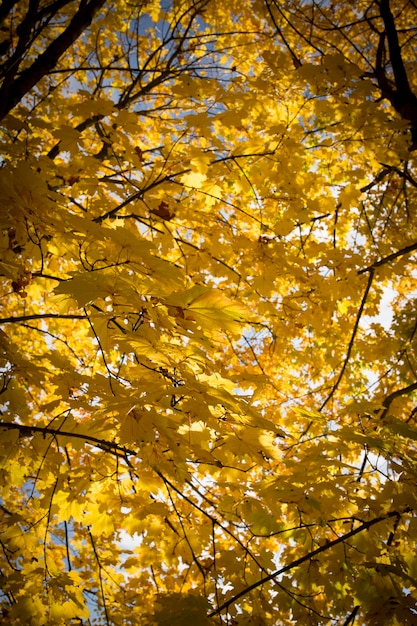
(352, 339)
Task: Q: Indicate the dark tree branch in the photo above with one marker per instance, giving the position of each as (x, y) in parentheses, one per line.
(25, 29)
(307, 557)
(351, 617)
(296, 61)
(352, 339)
(377, 179)
(400, 74)
(40, 316)
(103, 444)
(390, 257)
(5, 7)
(11, 95)
(396, 394)
(100, 576)
(402, 97)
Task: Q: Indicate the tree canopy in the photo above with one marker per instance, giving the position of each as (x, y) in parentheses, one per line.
(208, 312)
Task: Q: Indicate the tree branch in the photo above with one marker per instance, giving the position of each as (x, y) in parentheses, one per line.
(351, 617)
(402, 97)
(396, 394)
(400, 74)
(11, 95)
(40, 316)
(307, 557)
(24, 30)
(352, 339)
(389, 258)
(103, 444)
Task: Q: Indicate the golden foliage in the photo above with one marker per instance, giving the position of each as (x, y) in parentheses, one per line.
(208, 331)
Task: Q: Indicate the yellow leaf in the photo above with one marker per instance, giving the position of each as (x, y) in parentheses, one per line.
(210, 308)
(193, 179)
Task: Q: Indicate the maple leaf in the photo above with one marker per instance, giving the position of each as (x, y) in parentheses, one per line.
(209, 307)
(163, 211)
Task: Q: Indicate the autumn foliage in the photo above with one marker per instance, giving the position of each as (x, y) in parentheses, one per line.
(208, 228)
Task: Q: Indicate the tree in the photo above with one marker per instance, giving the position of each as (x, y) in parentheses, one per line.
(208, 350)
